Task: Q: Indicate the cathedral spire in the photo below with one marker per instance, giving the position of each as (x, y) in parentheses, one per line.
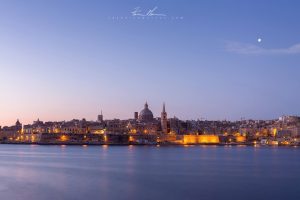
(100, 117)
(164, 120)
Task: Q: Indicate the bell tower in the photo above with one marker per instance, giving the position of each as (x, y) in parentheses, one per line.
(164, 120)
(100, 117)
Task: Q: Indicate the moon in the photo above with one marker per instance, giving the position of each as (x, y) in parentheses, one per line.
(259, 40)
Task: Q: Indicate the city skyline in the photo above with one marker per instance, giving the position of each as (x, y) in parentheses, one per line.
(133, 116)
(222, 60)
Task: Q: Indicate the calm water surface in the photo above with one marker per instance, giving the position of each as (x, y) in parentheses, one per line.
(148, 172)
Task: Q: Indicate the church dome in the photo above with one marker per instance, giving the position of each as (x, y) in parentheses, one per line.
(146, 114)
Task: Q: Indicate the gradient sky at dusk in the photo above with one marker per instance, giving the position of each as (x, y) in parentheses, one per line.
(65, 59)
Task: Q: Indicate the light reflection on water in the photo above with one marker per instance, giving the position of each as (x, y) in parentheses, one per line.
(148, 172)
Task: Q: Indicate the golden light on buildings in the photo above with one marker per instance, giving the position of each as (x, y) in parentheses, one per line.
(274, 142)
(63, 138)
(285, 143)
(209, 139)
(131, 139)
(133, 131)
(237, 134)
(274, 132)
(190, 139)
(201, 139)
(265, 132)
(158, 139)
(98, 132)
(240, 139)
(105, 138)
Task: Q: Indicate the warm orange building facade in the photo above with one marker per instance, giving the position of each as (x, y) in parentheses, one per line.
(201, 139)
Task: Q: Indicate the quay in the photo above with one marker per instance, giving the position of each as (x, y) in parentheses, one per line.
(137, 139)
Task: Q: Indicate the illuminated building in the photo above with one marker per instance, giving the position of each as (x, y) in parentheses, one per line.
(240, 139)
(201, 139)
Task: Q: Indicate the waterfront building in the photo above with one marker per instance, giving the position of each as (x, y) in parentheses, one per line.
(17, 128)
(116, 126)
(10, 132)
(201, 139)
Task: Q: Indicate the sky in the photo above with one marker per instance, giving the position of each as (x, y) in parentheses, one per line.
(216, 60)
